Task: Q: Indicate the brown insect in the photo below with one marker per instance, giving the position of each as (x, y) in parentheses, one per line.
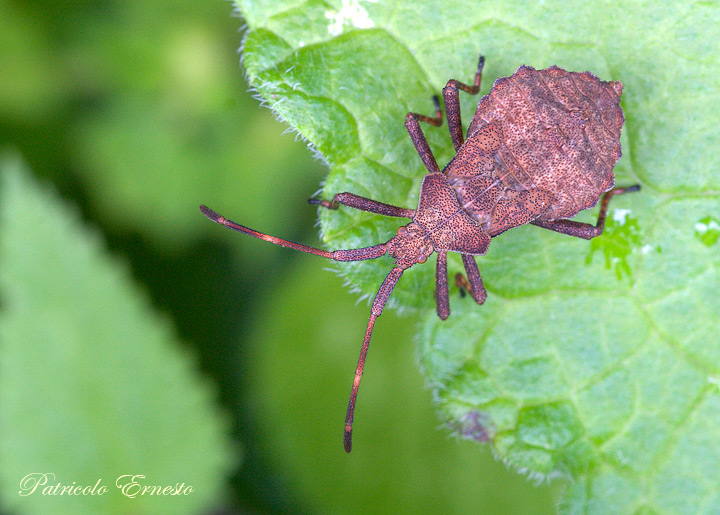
(540, 148)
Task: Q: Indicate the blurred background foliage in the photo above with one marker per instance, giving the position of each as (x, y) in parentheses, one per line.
(137, 112)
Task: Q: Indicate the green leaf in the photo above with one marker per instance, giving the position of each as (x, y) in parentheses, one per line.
(93, 383)
(603, 369)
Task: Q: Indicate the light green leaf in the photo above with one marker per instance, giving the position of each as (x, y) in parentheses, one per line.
(599, 361)
(93, 384)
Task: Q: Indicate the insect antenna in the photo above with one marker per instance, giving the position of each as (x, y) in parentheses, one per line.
(378, 304)
(212, 215)
(359, 254)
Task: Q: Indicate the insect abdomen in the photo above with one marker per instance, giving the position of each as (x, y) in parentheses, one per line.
(560, 133)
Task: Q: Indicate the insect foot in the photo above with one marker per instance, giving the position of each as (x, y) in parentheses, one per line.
(540, 148)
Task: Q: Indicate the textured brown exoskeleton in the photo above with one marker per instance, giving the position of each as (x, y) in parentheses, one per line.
(541, 148)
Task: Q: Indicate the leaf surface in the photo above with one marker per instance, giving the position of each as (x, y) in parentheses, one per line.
(595, 360)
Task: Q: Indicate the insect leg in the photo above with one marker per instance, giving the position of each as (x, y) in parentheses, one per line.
(364, 204)
(581, 229)
(412, 124)
(474, 280)
(432, 120)
(462, 284)
(377, 307)
(452, 103)
(441, 286)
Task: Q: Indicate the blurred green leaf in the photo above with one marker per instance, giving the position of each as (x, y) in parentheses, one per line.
(567, 369)
(93, 383)
(142, 108)
(28, 91)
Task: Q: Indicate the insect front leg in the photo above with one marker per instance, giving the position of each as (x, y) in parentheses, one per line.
(474, 282)
(363, 204)
(442, 293)
(582, 229)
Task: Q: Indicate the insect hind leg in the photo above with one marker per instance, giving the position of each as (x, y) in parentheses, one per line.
(582, 229)
(452, 103)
